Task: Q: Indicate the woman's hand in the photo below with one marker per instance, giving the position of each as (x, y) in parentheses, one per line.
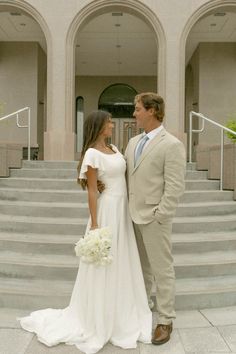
(100, 186)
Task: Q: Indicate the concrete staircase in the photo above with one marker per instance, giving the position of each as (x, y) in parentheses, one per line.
(43, 212)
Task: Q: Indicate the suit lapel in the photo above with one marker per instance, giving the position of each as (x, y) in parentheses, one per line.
(158, 138)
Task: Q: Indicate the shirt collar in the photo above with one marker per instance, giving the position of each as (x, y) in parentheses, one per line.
(154, 132)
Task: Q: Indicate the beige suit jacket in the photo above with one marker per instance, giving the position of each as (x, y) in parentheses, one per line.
(157, 181)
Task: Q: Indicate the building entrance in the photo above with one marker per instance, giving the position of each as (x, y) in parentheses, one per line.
(124, 129)
(118, 99)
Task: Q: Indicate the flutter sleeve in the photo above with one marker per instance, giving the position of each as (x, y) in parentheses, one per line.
(93, 159)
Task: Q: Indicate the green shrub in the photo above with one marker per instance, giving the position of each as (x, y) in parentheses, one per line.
(231, 124)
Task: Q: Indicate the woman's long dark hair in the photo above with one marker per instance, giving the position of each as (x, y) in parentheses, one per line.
(93, 126)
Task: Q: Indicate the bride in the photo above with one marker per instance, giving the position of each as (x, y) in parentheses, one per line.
(108, 303)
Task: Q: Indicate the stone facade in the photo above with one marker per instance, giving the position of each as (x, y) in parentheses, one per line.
(57, 84)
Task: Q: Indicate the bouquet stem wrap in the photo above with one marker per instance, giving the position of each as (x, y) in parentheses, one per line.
(95, 247)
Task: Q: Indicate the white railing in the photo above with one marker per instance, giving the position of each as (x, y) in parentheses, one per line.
(16, 114)
(222, 130)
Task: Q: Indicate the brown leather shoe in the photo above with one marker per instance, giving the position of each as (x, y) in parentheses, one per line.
(162, 334)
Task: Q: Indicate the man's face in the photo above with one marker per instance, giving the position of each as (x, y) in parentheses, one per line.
(142, 115)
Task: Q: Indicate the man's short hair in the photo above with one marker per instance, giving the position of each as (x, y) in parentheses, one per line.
(152, 100)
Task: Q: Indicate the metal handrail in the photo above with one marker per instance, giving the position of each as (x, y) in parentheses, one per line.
(21, 126)
(222, 128)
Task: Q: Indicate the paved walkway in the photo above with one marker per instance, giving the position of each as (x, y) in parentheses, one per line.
(195, 332)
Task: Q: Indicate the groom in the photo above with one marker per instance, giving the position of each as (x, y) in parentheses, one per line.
(155, 175)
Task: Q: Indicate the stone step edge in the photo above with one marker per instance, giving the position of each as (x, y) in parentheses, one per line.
(85, 204)
(205, 258)
(83, 221)
(32, 190)
(36, 259)
(42, 220)
(38, 179)
(69, 261)
(39, 170)
(207, 204)
(216, 284)
(39, 238)
(35, 287)
(45, 190)
(198, 237)
(19, 203)
(46, 169)
(80, 191)
(32, 168)
(208, 285)
(205, 219)
(75, 180)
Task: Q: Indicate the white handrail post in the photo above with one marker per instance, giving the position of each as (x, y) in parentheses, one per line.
(223, 129)
(29, 137)
(221, 157)
(190, 136)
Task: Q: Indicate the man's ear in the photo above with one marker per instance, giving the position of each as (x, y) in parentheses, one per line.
(151, 111)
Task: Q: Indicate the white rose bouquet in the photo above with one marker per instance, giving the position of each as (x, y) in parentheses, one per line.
(95, 247)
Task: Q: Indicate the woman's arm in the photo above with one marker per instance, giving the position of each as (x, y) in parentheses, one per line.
(92, 195)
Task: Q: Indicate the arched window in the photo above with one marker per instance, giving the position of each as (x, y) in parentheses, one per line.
(79, 122)
(118, 99)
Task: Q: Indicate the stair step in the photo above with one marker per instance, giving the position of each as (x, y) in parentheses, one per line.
(39, 183)
(73, 173)
(201, 184)
(50, 164)
(72, 210)
(60, 226)
(205, 264)
(34, 294)
(73, 164)
(64, 244)
(195, 175)
(191, 293)
(58, 195)
(38, 243)
(76, 226)
(206, 196)
(54, 266)
(207, 208)
(203, 242)
(54, 183)
(41, 266)
(52, 209)
(206, 292)
(44, 173)
(204, 224)
(42, 195)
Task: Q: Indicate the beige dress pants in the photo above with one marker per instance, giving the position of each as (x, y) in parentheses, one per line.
(155, 250)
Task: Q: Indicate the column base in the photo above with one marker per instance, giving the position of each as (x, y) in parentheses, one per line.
(59, 146)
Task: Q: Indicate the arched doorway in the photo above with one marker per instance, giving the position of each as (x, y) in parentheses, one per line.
(209, 39)
(118, 99)
(109, 43)
(24, 46)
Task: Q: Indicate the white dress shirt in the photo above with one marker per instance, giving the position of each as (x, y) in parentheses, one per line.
(151, 135)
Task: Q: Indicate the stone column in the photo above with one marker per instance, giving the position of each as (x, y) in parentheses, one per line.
(175, 86)
(59, 138)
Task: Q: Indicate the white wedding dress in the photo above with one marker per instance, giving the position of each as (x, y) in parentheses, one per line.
(108, 303)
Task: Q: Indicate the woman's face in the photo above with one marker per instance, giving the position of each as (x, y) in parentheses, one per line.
(107, 130)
